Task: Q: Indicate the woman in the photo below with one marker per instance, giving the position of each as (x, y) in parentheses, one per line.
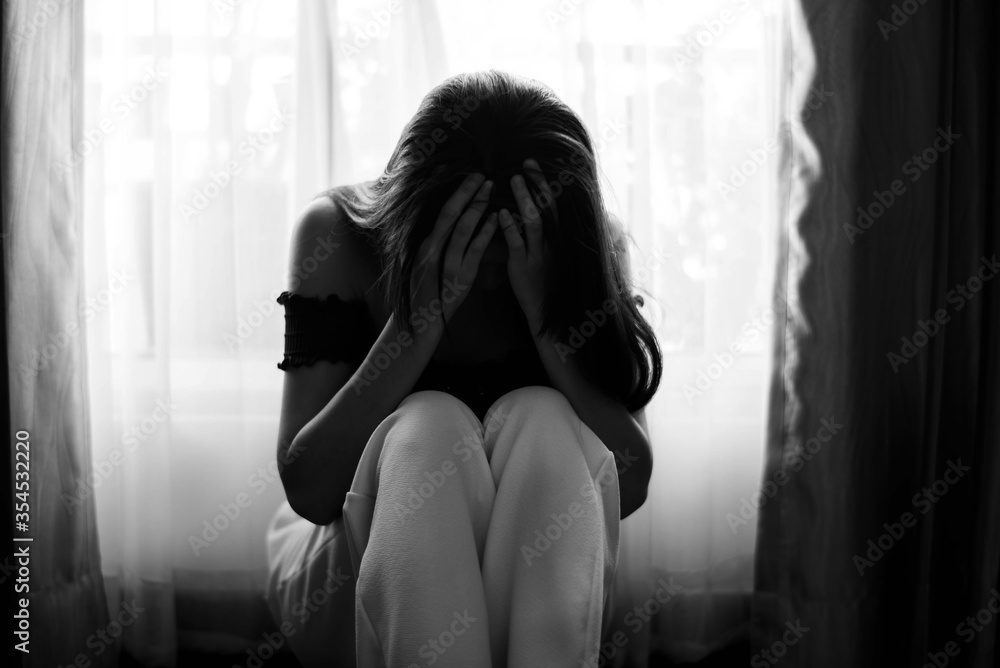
(466, 370)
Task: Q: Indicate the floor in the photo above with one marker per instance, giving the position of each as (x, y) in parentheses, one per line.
(731, 657)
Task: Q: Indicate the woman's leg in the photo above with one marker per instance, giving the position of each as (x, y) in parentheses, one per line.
(552, 544)
(429, 492)
(311, 588)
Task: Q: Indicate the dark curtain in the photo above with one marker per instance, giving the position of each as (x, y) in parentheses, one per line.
(42, 83)
(894, 333)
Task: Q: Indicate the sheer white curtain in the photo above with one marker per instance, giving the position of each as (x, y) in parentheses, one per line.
(210, 125)
(189, 172)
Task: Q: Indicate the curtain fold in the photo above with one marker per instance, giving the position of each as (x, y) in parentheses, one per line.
(45, 316)
(189, 180)
(350, 56)
(885, 413)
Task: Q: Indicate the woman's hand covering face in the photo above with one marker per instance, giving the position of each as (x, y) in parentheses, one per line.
(462, 250)
(526, 251)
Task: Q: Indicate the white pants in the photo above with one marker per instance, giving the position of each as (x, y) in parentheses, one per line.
(460, 545)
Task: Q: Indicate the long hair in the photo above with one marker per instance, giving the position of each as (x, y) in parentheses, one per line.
(490, 122)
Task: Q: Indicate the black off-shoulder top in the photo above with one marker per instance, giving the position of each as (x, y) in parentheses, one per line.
(325, 328)
(332, 329)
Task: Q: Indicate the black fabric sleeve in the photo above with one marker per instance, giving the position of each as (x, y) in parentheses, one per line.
(325, 328)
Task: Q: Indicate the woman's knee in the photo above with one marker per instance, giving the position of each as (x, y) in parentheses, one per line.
(538, 394)
(541, 424)
(433, 426)
(534, 402)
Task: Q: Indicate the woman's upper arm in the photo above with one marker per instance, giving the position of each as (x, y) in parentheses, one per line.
(640, 417)
(321, 233)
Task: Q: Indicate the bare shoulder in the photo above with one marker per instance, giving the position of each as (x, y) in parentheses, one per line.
(329, 254)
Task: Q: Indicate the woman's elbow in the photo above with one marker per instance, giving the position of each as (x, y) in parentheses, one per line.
(635, 491)
(632, 499)
(301, 495)
(307, 505)
(309, 509)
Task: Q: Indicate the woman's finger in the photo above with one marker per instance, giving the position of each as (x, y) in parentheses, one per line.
(452, 209)
(515, 244)
(532, 217)
(547, 200)
(534, 172)
(465, 227)
(522, 196)
(478, 246)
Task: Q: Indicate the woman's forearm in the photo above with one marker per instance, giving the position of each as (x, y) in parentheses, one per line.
(607, 418)
(323, 456)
